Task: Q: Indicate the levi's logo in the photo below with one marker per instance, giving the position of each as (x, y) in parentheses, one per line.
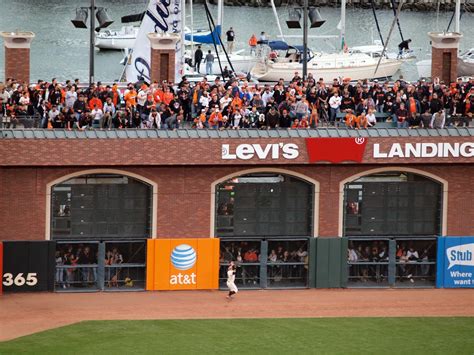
(261, 151)
(336, 150)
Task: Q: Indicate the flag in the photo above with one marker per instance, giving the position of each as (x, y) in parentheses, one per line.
(161, 16)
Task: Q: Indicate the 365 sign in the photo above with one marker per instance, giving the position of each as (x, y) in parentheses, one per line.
(20, 279)
(28, 266)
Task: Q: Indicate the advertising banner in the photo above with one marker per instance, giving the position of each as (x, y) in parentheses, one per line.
(182, 264)
(456, 262)
(161, 16)
(28, 266)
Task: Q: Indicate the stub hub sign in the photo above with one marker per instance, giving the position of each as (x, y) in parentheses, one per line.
(456, 262)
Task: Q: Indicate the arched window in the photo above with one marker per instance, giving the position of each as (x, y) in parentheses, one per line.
(264, 204)
(392, 204)
(101, 206)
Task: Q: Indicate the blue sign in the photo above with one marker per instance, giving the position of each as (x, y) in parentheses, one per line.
(456, 262)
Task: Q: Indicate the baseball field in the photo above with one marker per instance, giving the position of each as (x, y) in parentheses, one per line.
(256, 322)
(254, 336)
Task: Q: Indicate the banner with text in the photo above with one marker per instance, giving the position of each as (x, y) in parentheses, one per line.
(182, 264)
(456, 262)
(161, 16)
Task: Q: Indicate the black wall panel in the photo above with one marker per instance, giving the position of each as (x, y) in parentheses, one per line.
(28, 266)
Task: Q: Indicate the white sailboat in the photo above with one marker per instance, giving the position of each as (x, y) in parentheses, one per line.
(117, 39)
(241, 62)
(357, 66)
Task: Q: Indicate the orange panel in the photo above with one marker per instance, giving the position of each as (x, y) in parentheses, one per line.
(215, 264)
(183, 264)
(162, 251)
(182, 261)
(150, 264)
(207, 263)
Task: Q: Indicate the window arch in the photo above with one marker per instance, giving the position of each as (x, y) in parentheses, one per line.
(392, 203)
(101, 204)
(264, 203)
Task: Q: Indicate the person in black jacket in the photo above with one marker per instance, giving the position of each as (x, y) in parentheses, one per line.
(198, 59)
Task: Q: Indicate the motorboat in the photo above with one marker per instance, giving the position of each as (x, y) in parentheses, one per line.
(117, 39)
(274, 66)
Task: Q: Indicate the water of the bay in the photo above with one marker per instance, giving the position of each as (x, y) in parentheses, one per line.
(62, 51)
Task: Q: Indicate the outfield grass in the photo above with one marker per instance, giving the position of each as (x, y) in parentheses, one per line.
(254, 336)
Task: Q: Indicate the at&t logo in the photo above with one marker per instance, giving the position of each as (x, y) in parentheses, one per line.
(183, 257)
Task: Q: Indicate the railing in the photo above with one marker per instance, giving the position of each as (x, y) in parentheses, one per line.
(124, 276)
(287, 274)
(368, 273)
(76, 277)
(415, 273)
(247, 275)
(333, 132)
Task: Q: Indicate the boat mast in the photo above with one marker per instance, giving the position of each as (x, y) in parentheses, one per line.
(192, 29)
(343, 24)
(457, 16)
(277, 20)
(183, 21)
(220, 13)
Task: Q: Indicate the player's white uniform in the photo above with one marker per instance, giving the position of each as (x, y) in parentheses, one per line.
(231, 281)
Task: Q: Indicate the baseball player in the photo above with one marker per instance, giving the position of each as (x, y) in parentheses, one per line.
(231, 280)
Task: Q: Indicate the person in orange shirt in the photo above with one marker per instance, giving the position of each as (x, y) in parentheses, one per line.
(350, 119)
(361, 121)
(95, 102)
(215, 119)
(115, 95)
(295, 124)
(167, 96)
(253, 44)
(304, 122)
(200, 121)
(236, 102)
(314, 118)
(131, 98)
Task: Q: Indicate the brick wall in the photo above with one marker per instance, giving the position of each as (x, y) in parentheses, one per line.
(184, 196)
(17, 64)
(157, 72)
(137, 152)
(438, 64)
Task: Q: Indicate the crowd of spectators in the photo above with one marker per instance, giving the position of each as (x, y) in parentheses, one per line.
(244, 253)
(236, 103)
(368, 260)
(76, 266)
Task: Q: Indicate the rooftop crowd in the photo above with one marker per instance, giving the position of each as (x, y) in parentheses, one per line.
(236, 103)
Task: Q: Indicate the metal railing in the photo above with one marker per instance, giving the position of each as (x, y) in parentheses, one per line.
(287, 274)
(247, 275)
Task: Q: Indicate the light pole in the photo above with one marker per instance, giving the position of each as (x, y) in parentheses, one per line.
(80, 22)
(305, 39)
(294, 22)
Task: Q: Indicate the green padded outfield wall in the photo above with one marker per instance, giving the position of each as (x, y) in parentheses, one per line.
(331, 262)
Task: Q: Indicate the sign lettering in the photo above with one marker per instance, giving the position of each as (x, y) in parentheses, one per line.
(425, 150)
(262, 152)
